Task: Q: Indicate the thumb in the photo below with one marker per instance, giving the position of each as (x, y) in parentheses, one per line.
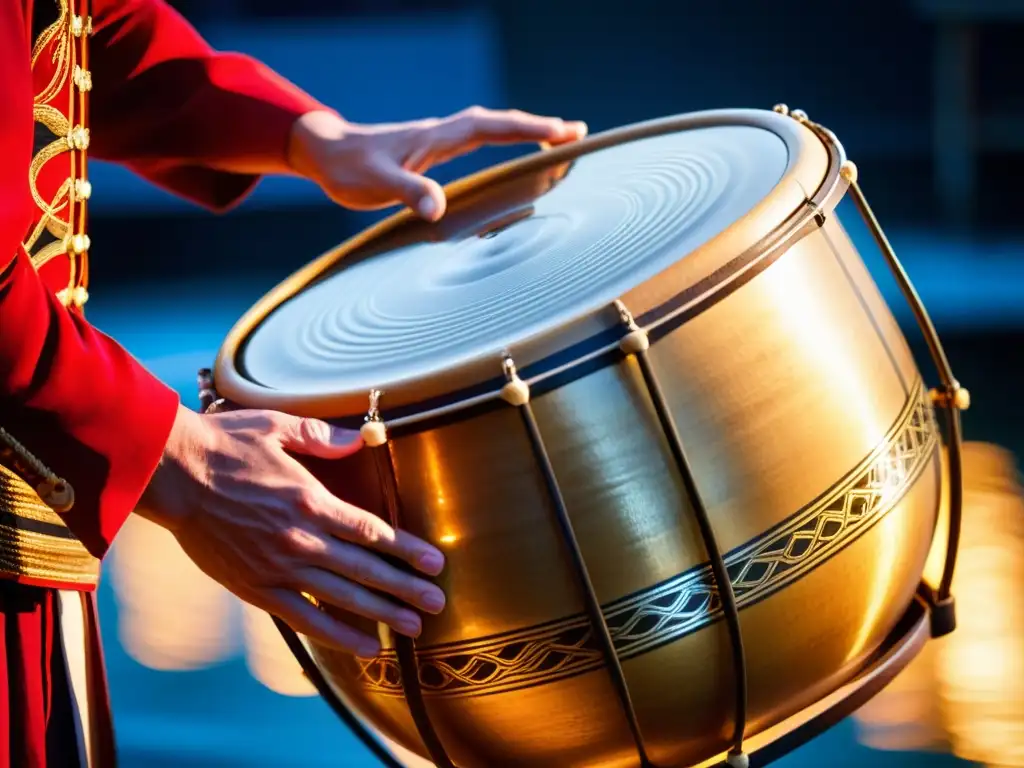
(423, 195)
(313, 437)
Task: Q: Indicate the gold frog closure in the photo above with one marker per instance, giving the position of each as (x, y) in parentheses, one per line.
(58, 172)
(36, 546)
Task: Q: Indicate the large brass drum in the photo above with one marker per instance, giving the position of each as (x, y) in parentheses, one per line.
(784, 377)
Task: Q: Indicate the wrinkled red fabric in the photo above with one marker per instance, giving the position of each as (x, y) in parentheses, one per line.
(171, 109)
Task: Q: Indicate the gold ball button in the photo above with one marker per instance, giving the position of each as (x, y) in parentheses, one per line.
(80, 244)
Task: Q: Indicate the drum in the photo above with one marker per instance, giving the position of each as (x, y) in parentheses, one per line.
(646, 396)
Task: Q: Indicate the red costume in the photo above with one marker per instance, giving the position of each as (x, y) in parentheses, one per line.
(128, 81)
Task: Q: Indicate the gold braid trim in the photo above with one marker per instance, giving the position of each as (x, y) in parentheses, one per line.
(56, 227)
(35, 544)
(64, 44)
(32, 557)
(48, 253)
(54, 121)
(61, 56)
(51, 119)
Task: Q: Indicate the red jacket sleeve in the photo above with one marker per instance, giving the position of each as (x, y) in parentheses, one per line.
(176, 112)
(71, 395)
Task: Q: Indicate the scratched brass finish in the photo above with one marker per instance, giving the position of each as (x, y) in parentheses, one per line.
(814, 444)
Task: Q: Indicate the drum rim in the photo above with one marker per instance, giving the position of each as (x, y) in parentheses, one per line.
(796, 206)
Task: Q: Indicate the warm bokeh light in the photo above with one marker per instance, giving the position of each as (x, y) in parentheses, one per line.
(965, 693)
(171, 615)
(268, 656)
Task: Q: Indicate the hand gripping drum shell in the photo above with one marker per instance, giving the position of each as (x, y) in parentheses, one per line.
(645, 395)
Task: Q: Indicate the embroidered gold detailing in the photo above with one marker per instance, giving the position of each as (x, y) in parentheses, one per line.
(56, 123)
(82, 79)
(49, 218)
(52, 119)
(49, 210)
(60, 56)
(56, 227)
(681, 605)
(35, 543)
(78, 138)
(60, 228)
(49, 252)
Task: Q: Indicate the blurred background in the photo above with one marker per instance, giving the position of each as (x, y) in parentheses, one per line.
(926, 95)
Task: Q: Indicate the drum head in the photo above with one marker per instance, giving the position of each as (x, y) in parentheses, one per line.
(529, 259)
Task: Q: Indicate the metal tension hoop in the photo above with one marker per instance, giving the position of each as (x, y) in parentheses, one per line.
(949, 396)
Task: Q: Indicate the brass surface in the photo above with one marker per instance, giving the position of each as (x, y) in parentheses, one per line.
(684, 603)
(815, 450)
(814, 444)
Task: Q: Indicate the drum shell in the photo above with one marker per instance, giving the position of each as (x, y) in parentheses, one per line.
(800, 407)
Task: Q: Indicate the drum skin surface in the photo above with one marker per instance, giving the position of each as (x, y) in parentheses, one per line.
(815, 449)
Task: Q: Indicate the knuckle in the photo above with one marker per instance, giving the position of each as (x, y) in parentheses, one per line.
(370, 529)
(468, 121)
(305, 500)
(369, 158)
(296, 540)
(278, 422)
(314, 430)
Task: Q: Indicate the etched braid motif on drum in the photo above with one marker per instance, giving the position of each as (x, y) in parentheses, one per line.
(669, 611)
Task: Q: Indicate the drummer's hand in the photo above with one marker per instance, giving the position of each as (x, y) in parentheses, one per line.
(255, 520)
(375, 166)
